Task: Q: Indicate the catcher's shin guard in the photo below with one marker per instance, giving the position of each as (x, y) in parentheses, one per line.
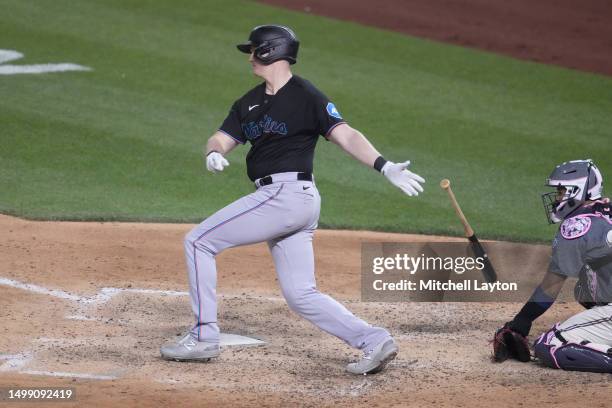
(572, 356)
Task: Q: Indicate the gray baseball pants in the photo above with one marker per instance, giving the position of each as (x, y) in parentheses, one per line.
(285, 214)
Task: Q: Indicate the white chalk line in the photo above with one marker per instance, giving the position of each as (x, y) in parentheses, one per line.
(103, 296)
(166, 381)
(253, 297)
(39, 289)
(17, 363)
(72, 375)
(9, 356)
(106, 294)
(12, 55)
(359, 389)
(63, 340)
(81, 317)
(40, 68)
(9, 55)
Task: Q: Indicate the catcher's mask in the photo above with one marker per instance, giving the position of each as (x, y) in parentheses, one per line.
(575, 182)
(271, 43)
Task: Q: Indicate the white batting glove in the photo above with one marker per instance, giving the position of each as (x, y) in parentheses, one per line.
(402, 178)
(215, 162)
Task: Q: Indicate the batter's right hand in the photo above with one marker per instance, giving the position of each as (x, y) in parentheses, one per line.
(399, 175)
(215, 162)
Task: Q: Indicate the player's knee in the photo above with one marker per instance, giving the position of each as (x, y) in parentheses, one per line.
(542, 350)
(299, 300)
(194, 240)
(190, 239)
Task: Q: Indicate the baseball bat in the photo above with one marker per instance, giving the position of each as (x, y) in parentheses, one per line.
(488, 271)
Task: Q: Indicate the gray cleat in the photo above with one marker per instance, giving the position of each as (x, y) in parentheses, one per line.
(190, 349)
(376, 360)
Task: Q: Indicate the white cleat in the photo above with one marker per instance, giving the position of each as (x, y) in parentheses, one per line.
(375, 360)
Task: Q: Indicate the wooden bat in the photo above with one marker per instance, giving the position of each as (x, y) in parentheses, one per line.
(488, 271)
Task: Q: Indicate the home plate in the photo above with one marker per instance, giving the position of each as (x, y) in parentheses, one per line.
(229, 340)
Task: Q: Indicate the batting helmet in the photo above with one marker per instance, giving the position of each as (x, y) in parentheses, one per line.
(271, 43)
(576, 182)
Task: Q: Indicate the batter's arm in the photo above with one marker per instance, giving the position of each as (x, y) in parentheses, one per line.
(220, 142)
(354, 143)
(217, 146)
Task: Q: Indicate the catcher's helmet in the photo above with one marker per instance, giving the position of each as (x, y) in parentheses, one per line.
(271, 43)
(575, 181)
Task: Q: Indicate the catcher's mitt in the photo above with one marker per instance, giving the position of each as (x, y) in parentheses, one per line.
(508, 343)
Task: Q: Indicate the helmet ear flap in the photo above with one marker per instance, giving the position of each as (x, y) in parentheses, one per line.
(594, 186)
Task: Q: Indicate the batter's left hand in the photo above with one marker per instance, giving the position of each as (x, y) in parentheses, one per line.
(399, 175)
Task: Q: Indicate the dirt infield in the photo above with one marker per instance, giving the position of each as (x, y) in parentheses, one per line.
(568, 33)
(107, 295)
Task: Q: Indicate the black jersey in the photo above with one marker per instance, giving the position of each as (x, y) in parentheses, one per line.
(283, 128)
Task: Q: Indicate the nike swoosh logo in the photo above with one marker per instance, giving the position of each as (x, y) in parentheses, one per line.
(305, 188)
(252, 107)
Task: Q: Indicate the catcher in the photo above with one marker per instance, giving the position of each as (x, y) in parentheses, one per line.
(582, 248)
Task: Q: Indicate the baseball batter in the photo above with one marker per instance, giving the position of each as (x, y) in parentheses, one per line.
(581, 249)
(282, 119)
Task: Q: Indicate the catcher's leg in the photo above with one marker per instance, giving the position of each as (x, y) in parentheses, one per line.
(589, 357)
(581, 343)
(593, 325)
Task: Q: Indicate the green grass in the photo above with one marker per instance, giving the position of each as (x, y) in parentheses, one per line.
(124, 141)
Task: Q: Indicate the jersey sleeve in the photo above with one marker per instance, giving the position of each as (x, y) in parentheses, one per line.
(327, 115)
(231, 125)
(567, 256)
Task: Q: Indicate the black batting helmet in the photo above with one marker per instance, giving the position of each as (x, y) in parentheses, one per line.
(272, 43)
